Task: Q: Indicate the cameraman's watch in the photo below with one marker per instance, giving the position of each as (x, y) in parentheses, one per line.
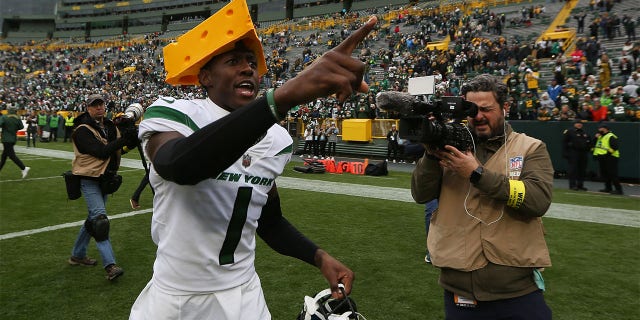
(476, 174)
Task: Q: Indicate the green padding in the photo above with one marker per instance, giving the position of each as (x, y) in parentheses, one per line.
(551, 133)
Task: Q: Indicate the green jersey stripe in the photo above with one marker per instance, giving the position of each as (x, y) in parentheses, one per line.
(288, 149)
(170, 114)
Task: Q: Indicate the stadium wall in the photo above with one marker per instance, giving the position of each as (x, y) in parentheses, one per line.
(317, 10)
(369, 4)
(551, 133)
(109, 18)
(68, 34)
(145, 29)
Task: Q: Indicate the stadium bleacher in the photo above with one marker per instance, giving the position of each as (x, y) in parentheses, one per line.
(111, 51)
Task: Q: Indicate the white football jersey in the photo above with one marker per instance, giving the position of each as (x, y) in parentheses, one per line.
(205, 233)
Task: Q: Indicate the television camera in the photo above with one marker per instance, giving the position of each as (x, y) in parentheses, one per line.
(436, 123)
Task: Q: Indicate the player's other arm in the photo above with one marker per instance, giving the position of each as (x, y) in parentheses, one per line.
(285, 239)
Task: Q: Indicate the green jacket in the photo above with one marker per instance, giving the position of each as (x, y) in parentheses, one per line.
(10, 125)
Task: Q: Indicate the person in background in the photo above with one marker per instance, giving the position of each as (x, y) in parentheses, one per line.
(576, 144)
(134, 201)
(599, 112)
(629, 25)
(630, 89)
(43, 120)
(531, 104)
(607, 152)
(530, 79)
(215, 189)
(308, 141)
(332, 134)
(392, 144)
(68, 126)
(617, 109)
(429, 208)
(606, 97)
(55, 121)
(633, 109)
(585, 113)
(605, 67)
(10, 124)
(32, 129)
(626, 67)
(546, 103)
(566, 114)
(553, 91)
(485, 197)
(322, 141)
(316, 141)
(97, 145)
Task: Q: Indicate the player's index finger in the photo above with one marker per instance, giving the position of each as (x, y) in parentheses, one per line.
(349, 44)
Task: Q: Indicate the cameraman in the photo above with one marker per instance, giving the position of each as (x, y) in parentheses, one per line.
(486, 235)
(97, 144)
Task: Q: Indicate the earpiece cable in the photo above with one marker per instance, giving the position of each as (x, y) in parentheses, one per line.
(504, 132)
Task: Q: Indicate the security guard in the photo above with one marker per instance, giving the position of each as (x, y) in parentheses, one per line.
(576, 145)
(68, 126)
(607, 152)
(43, 120)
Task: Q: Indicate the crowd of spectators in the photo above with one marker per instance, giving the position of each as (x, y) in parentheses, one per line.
(61, 79)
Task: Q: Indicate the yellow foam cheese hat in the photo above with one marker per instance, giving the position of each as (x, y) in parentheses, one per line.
(218, 34)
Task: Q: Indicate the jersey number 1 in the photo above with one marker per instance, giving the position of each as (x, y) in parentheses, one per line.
(234, 231)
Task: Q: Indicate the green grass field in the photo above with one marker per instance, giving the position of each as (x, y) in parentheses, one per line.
(595, 273)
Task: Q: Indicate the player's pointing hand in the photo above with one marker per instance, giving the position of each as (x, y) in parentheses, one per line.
(336, 71)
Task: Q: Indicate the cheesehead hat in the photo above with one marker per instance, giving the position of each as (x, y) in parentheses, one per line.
(218, 34)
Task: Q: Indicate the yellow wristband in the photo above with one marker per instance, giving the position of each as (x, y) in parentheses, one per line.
(516, 194)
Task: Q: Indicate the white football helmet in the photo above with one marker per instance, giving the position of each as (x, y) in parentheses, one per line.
(323, 307)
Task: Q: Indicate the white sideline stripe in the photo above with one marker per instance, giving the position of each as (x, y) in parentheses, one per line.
(46, 178)
(67, 225)
(618, 217)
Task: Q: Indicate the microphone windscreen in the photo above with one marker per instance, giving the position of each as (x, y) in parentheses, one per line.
(396, 101)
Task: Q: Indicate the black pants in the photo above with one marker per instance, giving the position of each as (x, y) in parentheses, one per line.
(54, 134)
(528, 307)
(577, 169)
(322, 148)
(67, 133)
(8, 152)
(631, 33)
(332, 149)
(392, 147)
(609, 172)
(31, 137)
(308, 147)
